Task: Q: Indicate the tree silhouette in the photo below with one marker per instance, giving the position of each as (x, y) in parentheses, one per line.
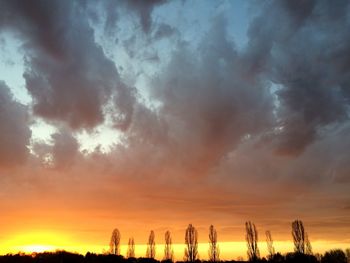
(269, 242)
(334, 256)
(191, 242)
(252, 241)
(115, 242)
(131, 248)
(151, 246)
(213, 251)
(168, 249)
(300, 238)
(296, 257)
(298, 233)
(308, 247)
(347, 253)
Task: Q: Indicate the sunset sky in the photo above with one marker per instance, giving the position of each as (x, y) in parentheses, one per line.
(150, 115)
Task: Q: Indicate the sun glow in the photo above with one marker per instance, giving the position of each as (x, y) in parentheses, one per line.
(36, 242)
(37, 248)
(51, 241)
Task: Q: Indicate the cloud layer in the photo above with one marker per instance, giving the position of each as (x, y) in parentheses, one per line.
(216, 133)
(14, 129)
(304, 53)
(67, 73)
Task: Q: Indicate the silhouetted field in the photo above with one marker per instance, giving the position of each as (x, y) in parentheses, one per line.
(334, 256)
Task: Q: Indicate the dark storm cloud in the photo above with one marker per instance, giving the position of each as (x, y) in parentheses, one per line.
(303, 47)
(208, 101)
(14, 130)
(67, 73)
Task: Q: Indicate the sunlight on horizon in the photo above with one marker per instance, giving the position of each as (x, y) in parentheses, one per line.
(33, 242)
(36, 248)
(51, 242)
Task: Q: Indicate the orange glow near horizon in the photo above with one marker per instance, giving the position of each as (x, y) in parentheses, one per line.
(33, 242)
(46, 241)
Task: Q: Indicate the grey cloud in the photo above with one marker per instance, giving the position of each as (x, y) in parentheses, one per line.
(61, 153)
(65, 149)
(67, 73)
(144, 10)
(148, 127)
(126, 103)
(301, 46)
(14, 130)
(208, 102)
(114, 10)
(164, 31)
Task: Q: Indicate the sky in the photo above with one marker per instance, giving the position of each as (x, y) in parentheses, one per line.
(150, 115)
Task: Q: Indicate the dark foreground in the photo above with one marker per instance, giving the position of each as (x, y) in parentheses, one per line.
(335, 256)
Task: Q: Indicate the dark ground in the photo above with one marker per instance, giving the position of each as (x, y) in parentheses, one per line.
(335, 256)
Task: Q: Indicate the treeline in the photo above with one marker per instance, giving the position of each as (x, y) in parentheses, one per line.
(302, 250)
(302, 246)
(333, 256)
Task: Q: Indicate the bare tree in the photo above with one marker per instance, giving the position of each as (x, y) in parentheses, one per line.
(168, 249)
(269, 242)
(300, 238)
(130, 253)
(191, 242)
(308, 247)
(151, 246)
(213, 251)
(252, 241)
(298, 233)
(115, 242)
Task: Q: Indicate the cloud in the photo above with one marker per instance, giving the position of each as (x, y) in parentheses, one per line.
(64, 150)
(305, 54)
(208, 101)
(114, 11)
(144, 10)
(14, 130)
(60, 153)
(203, 145)
(67, 73)
(164, 31)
